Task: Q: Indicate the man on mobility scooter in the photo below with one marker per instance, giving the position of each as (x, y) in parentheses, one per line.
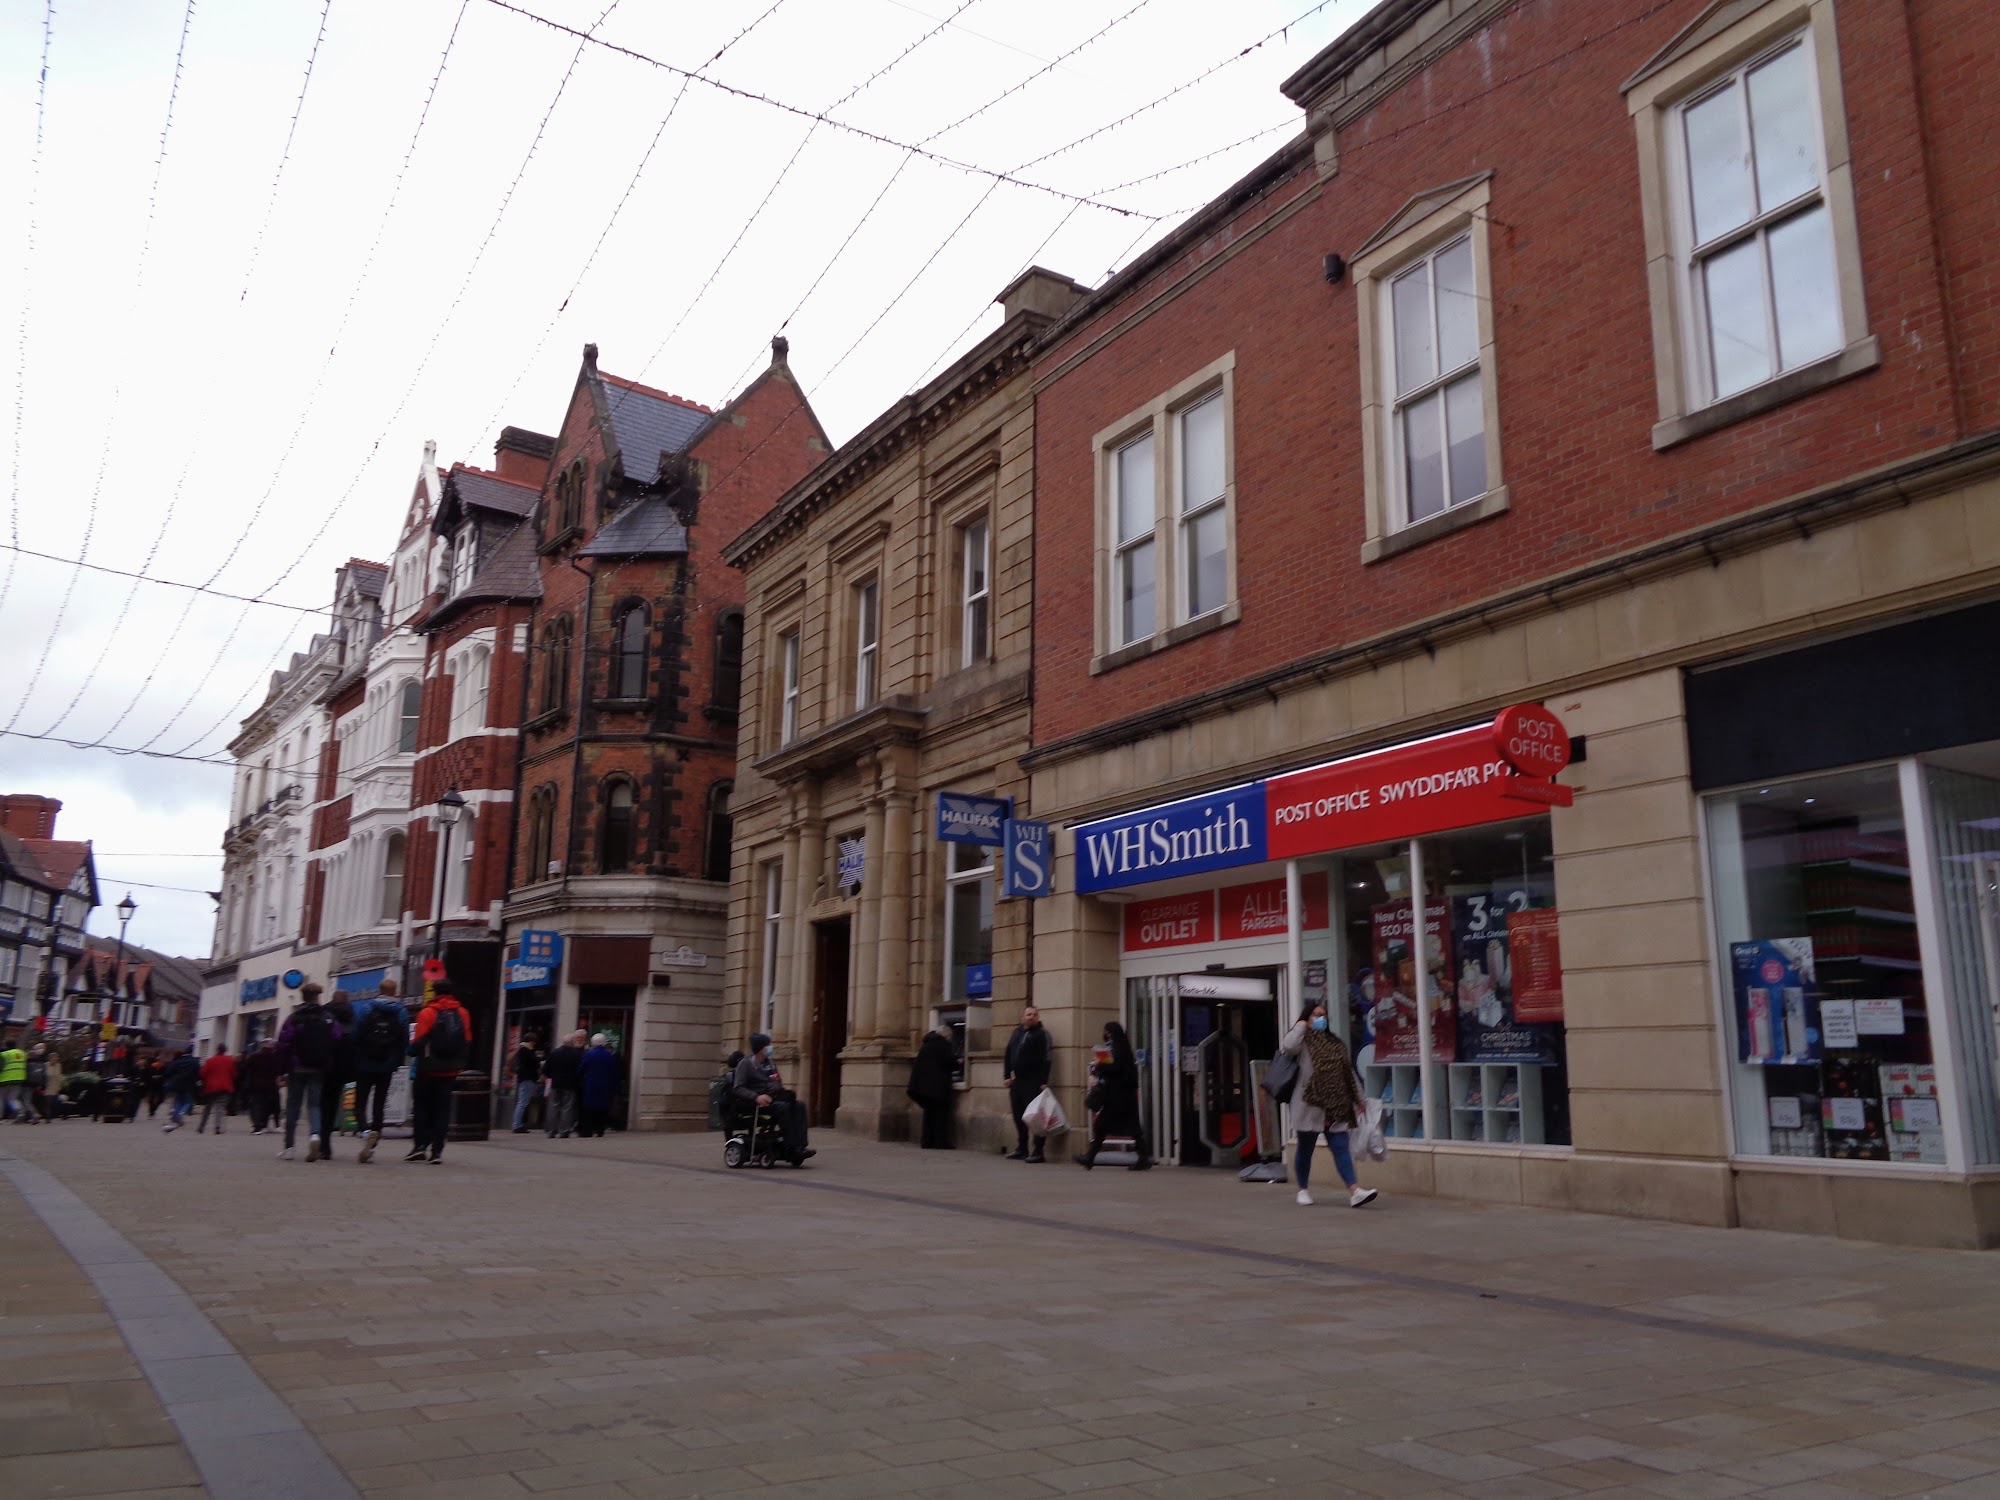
(759, 1088)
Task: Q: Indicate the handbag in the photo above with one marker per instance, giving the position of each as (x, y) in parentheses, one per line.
(1281, 1077)
(1094, 1099)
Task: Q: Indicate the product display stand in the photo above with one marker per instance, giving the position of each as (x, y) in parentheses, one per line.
(1493, 1102)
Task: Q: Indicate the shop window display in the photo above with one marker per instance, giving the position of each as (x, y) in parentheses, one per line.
(1816, 914)
(1492, 981)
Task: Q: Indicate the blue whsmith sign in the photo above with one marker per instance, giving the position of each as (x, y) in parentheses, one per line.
(965, 819)
(1215, 831)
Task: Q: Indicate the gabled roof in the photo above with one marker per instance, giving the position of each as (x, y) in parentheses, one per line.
(170, 978)
(476, 489)
(20, 861)
(62, 858)
(645, 425)
(367, 577)
(646, 528)
(510, 571)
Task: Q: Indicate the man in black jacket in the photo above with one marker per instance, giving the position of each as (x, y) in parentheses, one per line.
(562, 1068)
(1030, 1054)
(527, 1070)
(759, 1087)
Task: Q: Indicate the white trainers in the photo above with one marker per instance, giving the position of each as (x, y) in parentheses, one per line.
(285, 1153)
(170, 1127)
(1361, 1197)
(1305, 1199)
(374, 1139)
(312, 1148)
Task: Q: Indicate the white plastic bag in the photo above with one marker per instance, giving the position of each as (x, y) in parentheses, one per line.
(1044, 1116)
(1370, 1133)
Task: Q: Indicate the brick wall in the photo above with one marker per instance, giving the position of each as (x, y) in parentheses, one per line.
(1539, 105)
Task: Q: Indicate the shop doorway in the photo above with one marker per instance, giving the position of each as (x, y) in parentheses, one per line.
(1202, 1043)
(828, 1030)
(608, 1008)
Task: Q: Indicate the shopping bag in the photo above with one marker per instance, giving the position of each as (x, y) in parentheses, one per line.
(1281, 1076)
(1370, 1132)
(1044, 1116)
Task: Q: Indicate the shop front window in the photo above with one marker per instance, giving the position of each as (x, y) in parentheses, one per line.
(1965, 838)
(1493, 1069)
(1816, 913)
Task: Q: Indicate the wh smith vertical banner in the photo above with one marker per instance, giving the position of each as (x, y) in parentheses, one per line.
(1216, 831)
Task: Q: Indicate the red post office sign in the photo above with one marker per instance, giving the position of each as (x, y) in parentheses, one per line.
(1531, 739)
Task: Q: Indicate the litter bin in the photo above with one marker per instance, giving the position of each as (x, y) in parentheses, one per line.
(471, 1108)
(117, 1101)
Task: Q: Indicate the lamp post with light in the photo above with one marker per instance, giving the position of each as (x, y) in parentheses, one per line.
(449, 806)
(126, 910)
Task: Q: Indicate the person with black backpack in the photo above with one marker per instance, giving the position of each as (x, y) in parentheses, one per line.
(381, 1045)
(306, 1044)
(441, 1041)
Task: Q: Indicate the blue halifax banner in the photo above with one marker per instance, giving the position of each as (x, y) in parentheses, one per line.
(965, 819)
(1215, 831)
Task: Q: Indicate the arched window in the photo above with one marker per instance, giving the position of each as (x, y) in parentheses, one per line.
(555, 664)
(614, 856)
(412, 711)
(628, 652)
(569, 498)
(727, 693)
(541, 835)
(392, 878)
(718, 835)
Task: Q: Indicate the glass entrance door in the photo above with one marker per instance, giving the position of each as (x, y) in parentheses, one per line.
(1202, 1042)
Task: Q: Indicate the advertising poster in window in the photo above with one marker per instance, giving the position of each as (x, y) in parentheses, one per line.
(1489, 1030)
(1394, 1018)
(1777, 1004)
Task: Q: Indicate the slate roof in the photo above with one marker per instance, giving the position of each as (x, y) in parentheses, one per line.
(647, 528)
(646, 424)
(484, 491)
(21, 861)
(172, 978)
(60, 858)
(369, 577)
(510, 570)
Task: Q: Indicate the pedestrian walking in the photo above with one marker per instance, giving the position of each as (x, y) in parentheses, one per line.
(381, 1046)
(442, 1042)
(14, 1103)
(339, 1071)
(1327, 1099)
(258, 1075)
(218, 1082)
(597, 1082)
(305, 1052)
(1117, 1101)
(152, 1085)
(527, 1070)
(934, 1087)
(181, 1081)
(562, 1070)
(1030, 1056)
(39, 1065)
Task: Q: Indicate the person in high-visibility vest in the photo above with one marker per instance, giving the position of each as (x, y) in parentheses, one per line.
(14, 1085)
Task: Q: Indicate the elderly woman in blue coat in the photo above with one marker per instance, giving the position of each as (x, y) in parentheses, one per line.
(597, 1081)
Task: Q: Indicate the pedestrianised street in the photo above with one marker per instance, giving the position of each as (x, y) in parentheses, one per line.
(624, 1317)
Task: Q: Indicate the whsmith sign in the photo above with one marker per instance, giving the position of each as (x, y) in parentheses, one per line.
(1488, 773)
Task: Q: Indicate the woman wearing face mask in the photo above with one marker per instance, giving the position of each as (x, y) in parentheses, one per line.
(1118, 1109)
(1326, 1100)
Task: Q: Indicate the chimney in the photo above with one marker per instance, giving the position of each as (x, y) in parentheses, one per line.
(523, 456)
(28, 816)
(1039, 291)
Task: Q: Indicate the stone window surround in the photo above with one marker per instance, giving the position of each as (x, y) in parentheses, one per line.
(1393, 247)
(1156, 417)
(1653, 96)
(954, 521)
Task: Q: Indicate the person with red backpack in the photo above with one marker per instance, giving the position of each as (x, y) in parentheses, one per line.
(441, 1041)
(306, 1044)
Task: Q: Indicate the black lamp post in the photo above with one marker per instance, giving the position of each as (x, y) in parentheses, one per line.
(449, 806)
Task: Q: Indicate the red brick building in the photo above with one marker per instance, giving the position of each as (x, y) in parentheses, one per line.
(628, 744)
(1638, 362)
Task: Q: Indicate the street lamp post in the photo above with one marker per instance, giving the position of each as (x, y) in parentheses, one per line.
(449, 806)
(126, 909)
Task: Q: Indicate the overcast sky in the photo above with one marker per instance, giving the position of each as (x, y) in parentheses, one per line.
(226, 337)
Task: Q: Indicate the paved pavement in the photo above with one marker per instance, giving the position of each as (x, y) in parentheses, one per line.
(601, 1320)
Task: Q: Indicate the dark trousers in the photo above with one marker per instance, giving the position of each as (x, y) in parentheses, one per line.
(1019, 1096)
(303, 1091)
(217, 1105)
(263, 1109)
(595, 1120)
(562, 1111)
(332, 1091)
(937, 1124)
(371, 1097)
(791, 1118)
(430, 1104)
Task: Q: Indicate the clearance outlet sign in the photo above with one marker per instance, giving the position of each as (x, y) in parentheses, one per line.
(1488, 773)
